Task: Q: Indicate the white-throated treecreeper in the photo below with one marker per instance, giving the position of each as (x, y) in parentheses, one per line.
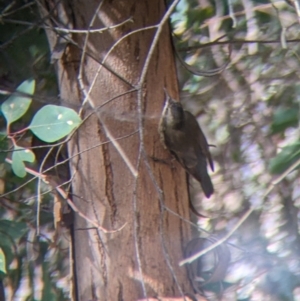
(183, 137)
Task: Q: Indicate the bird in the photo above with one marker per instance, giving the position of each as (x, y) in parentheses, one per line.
(181, 134)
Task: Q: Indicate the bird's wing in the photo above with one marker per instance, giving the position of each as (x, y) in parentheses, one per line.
(187, 157)
(190, 158)
(200, 173)
(203, 145)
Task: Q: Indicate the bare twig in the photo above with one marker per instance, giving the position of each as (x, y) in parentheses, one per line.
(142, 153)
(75, 209)
(243, 218)
(219, 242)
(64, 195)
(231, 14)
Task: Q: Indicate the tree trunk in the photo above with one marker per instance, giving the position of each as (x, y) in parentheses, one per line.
(142, 257)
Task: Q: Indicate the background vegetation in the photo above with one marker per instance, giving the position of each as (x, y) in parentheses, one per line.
(249, 111)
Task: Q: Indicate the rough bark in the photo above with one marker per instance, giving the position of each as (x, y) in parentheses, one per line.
(107, 265)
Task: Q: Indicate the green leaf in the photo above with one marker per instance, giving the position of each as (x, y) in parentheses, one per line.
(11, 232)
(20, 155)
(2, 262)
(284, 118)
(52, 123)
(15, 230)
(16, 106)
(285, 158)
(48, 293)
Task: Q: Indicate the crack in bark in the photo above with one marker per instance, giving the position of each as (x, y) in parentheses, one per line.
(120, 292)
(109, 191)
(102, 259)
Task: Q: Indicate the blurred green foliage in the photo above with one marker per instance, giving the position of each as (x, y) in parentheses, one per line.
(287, 156)
(24, 54)
(250, 112)
(284, 118)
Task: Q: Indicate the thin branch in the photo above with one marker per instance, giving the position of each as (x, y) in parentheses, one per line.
(91, 102)
(39, 188)
(231, 13)
(155, 41)
(19, 34)
(68, 38)
(82, 59)
(88, 149)
(118, 147)
(65, 30)
(244, 217)
(36, 174)
(219, 242)
(6, 11)
(281, 177)
(87, 94)
(64, 195)
(136, 227)
(141, 136)
(235, 41)
(283, 28)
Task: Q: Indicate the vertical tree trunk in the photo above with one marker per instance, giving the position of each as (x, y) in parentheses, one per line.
(144, 254)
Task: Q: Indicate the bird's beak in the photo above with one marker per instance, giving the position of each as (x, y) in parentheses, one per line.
(168, 97)
(166, 92)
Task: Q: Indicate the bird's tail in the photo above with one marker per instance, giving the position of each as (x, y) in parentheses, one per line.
(207, 185)
(201, 175)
